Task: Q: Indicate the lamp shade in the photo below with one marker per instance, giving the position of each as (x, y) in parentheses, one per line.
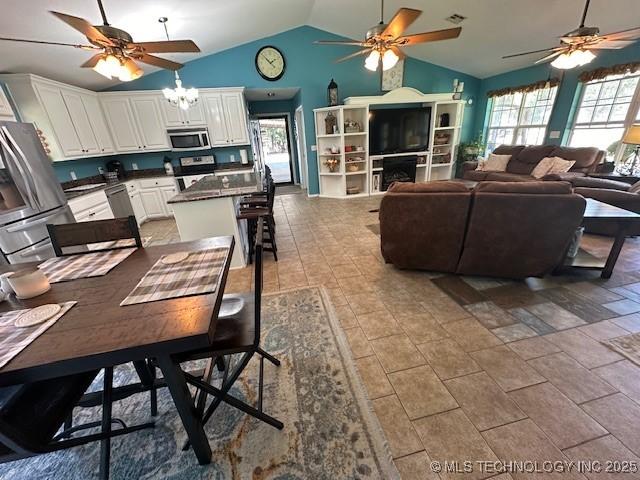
(632, 137)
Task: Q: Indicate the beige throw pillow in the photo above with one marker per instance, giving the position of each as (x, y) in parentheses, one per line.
(543, 167)
(560, 165)
(495, 163)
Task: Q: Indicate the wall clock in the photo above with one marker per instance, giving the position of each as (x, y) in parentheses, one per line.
(270, 63)
(392, 78)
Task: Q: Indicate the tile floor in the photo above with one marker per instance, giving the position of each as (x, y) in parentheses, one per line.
(468, 368)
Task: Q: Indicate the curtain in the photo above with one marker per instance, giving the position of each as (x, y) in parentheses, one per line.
(552, 82)
(600, 73)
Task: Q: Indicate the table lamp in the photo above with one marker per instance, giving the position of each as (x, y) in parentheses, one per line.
(632, 137)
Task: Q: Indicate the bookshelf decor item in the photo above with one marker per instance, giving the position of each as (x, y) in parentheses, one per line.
(332, 93)
(330, 124)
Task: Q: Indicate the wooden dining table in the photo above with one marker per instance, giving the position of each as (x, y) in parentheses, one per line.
(98, 333)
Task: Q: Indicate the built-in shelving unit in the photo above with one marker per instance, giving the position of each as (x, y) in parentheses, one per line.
(435, 164)
(349, 149)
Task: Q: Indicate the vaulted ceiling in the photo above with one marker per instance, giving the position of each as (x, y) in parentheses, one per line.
(493, 28)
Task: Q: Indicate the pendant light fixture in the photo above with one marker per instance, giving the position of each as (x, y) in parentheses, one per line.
(180, 96)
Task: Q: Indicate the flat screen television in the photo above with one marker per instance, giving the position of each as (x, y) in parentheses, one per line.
(397, 130)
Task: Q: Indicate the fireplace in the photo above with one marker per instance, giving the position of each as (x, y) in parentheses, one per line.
(398, 169)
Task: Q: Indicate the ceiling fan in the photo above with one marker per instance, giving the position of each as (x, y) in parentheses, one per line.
(383, 41)
(117, 52)
(576, 47)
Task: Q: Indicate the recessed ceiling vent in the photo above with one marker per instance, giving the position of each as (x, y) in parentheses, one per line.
(455, 18)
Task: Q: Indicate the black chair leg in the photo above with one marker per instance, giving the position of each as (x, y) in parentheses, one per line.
(153, 393)
(272, 238)
(105, 444)
(269, 357)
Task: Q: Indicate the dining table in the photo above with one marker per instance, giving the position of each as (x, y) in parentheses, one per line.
(99, 333)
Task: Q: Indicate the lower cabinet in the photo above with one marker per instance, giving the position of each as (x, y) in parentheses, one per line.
(93, 206)
(138, 207)
(168, 193)
(152, 202)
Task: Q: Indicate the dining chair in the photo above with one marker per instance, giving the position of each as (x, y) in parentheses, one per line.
(33, 418)
(234, 335)
(94, 236)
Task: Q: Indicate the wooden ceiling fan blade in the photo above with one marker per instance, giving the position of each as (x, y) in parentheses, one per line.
(630, 34)
(170, 46)
(611, 44)
(84, 27)
(549, 57)
(434, 36)
(400, 22)
(353, 55)
(159, 62)
(340, 42)
(42, 42)
(92, 61)
(534, 51)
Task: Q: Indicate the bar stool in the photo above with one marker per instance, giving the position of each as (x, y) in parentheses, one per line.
(251, 209)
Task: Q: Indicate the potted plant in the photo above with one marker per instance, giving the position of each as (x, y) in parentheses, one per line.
(468, 151)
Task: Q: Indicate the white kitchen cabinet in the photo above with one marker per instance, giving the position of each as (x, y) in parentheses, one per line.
(6, 112)
(92, 206)
(80, 121)
(151, 128)
(56, 109)
(168, 193)
(175, 117)
(216, 119)
(98, 124)
(236, 116)
(138, 207)
(152, 202)
(119, 116)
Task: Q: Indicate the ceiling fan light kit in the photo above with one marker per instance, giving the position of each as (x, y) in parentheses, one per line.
(573, 59)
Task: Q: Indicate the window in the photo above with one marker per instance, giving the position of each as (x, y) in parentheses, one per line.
(520, 118)
(607, 108)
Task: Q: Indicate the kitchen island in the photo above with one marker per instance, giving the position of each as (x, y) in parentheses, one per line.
(208, 209)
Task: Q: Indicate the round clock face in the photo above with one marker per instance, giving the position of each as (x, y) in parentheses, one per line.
(270, 63)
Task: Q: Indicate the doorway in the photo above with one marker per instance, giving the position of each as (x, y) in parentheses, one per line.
(276, 147)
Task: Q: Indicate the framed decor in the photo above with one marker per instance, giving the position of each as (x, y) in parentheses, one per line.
(392, 78)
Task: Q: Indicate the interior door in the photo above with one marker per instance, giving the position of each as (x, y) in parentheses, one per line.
(53, 102)
(150, 124)
(236, 118)
(120, 119)
(302, 146)
(81, 121)
(98, 124)
(216, 119)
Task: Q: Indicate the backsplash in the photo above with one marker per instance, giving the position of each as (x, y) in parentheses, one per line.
(87, 167)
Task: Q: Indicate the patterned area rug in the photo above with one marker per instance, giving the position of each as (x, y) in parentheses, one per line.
(330, 431)
(626, 345)
(375, 228)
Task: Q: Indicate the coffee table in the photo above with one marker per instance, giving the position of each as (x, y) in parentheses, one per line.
(600, 213)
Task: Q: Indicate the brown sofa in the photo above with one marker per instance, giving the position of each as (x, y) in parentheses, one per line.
(498, 229)
(525, 158)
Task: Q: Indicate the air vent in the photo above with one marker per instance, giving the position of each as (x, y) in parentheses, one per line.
(455, 18)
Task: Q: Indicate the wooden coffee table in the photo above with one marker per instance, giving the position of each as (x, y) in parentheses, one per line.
(600, 213)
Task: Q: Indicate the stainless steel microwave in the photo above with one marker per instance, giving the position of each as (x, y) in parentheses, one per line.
(184, 139)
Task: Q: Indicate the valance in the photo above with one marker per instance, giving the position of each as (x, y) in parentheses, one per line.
(552, 82)
(600, 73)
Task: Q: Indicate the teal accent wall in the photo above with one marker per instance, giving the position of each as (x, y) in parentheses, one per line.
(568, 93)
(309, 67)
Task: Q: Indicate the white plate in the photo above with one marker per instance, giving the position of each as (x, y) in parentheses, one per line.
(174, 258)
(37, 315)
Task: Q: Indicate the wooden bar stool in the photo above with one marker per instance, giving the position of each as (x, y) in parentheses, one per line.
(253, 209)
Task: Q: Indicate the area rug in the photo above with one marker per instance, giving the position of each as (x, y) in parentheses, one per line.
(375, 228)
(330, 429)
(627, 346)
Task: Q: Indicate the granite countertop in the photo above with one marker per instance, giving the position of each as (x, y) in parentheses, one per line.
(99, 179)
(212, 186)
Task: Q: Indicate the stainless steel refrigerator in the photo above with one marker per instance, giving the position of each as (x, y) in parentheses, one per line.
(30, 195)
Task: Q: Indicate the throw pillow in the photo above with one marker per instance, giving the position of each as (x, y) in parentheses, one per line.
(495, 163)
(560, 165)
(543, 167)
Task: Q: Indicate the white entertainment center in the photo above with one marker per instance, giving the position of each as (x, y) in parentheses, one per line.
(346, 169)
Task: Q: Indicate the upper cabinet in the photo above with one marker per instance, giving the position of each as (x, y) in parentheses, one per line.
(6, 112)
(226, 117)
(175, 117)
(79, 123)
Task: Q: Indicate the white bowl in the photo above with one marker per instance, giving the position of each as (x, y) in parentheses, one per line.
(29, 283)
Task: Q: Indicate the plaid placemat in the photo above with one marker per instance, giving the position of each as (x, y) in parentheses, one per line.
(85, 265)
(195, 275)
(14, 339)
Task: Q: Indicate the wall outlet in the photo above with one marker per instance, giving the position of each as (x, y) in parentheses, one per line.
(134, 165)
(101, 170)
(554, 134)
(314, 148)
(73, 175)
(232, 158)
